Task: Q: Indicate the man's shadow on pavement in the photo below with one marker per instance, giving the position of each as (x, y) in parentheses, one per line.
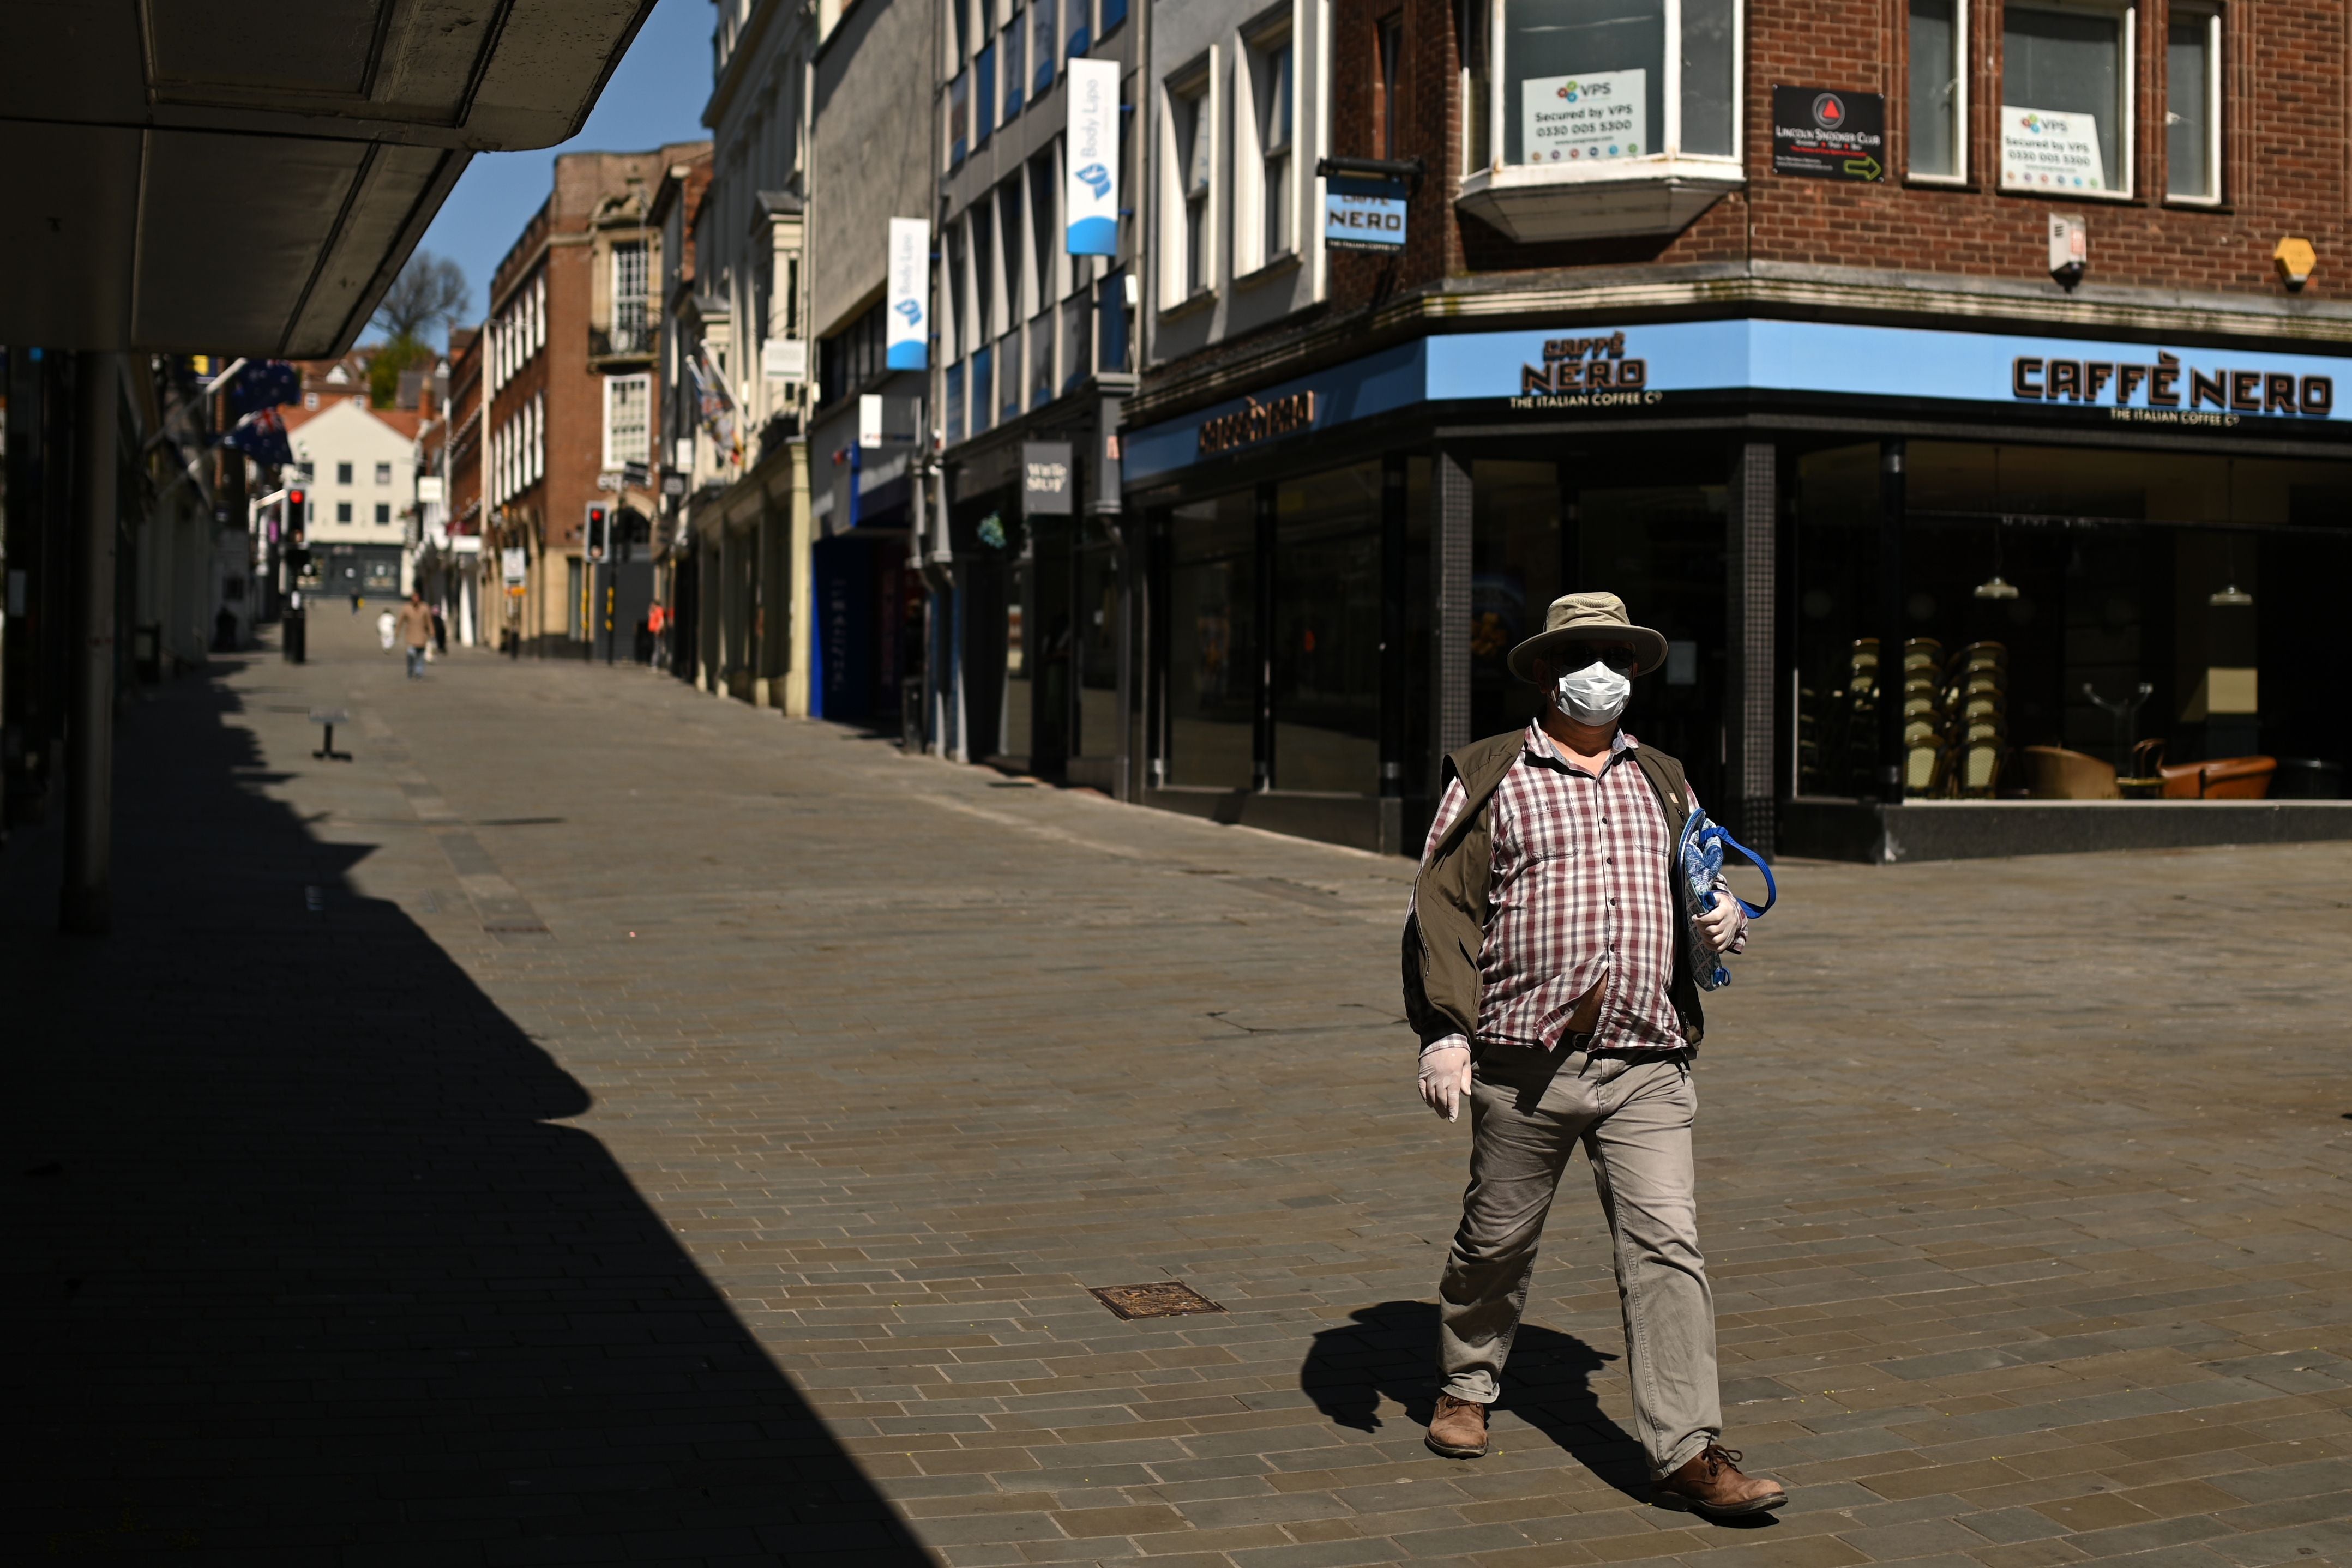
(1391, 1350)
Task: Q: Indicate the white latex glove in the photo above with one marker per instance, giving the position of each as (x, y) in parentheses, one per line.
(1445, 1080)
(1720, 925)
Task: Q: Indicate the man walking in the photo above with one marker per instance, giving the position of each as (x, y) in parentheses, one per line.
(415, 631)
(1546, 971)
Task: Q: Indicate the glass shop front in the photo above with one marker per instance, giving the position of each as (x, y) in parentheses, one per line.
(2116, 590)
(2078, 624)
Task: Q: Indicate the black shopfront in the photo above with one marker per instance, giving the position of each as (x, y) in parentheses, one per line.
(2097, 597)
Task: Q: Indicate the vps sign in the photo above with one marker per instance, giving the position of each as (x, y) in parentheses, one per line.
(1090, 190)
(909, 344)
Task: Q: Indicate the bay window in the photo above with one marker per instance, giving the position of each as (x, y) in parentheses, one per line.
(2067, 98)
(1563, 93)
(2192, 104)
(1937, 147)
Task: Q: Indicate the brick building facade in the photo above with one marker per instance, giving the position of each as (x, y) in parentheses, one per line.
(572, 381)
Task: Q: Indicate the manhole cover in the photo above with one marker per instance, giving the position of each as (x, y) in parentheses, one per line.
(1161, 1298)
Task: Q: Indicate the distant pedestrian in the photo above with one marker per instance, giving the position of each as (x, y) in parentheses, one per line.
(355, 602)
(440, 633)
(1551, 980)
(416, 632)
(384, 623)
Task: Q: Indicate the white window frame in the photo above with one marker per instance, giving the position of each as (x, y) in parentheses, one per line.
(1961, 64)
(2211, 14)
(1195, 85)
(2128, 112)
(644, 383)
(383, 473)
(1671, 162)
(1253, 246)
(642, 251)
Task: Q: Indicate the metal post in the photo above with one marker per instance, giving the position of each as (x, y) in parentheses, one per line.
(1893, 500)
(86, 904)
(1750, 601)
(1263, 772)
(1394, 675)
(1450, 626)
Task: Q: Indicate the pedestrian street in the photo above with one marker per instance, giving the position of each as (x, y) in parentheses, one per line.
(600, 1122)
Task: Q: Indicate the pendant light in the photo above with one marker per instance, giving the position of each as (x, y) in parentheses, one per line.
(2231, 595)
(1996, 586)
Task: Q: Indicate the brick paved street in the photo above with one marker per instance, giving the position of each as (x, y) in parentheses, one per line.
(601, 1122)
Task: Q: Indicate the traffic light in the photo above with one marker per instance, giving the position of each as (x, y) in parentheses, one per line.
(598, 535)
(297, 512)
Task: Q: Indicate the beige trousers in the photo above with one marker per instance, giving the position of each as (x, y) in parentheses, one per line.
(1529, 1110)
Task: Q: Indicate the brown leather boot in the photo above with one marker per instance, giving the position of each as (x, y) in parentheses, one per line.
(1458, 1430)
(1712, 1485)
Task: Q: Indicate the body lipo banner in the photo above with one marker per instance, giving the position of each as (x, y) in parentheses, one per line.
(909, 345)
(1091, 150)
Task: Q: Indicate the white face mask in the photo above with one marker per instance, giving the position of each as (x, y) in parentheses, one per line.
(1594, 694)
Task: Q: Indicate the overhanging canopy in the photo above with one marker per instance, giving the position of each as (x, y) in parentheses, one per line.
(247, 176)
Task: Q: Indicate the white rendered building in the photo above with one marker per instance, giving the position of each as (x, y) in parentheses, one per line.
(363, 486)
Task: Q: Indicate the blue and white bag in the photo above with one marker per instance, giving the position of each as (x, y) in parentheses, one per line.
(1699, 858)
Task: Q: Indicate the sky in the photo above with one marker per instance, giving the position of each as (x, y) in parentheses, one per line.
(655, 95)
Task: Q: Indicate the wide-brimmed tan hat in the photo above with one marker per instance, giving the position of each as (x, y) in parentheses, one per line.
(1587, 617)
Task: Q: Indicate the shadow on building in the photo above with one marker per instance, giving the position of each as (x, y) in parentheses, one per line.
(303, 1267)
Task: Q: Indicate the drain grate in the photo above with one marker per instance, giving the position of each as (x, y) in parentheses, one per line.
(1161, 1299)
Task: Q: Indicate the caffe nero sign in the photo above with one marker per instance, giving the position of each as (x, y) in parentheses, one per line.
(1618, 370)
(1822, 133)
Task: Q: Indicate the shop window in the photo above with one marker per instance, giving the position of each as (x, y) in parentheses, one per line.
(1213, 655)
(1043, 22)
(1096, 649)
(1191, 165)
(2192, 105)
(1516, 572)
(1937, 144)
(2066, 99)
(2077, 624)
(1661, 549)
(1266, 161)
(1016, 70)
(1327, 631)
(1388, 51)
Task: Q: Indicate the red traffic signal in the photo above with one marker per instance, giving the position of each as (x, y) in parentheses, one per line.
(598, 535)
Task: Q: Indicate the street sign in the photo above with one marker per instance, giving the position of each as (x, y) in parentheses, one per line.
(636, 474)
(1362, 214)
(1824, 133)
(1045, 478)
(514, 566)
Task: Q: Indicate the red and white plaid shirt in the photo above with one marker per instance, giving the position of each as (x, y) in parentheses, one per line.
(1579, 896)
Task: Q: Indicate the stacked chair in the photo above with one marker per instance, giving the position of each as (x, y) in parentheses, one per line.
(1955, 722)
(1976, 698)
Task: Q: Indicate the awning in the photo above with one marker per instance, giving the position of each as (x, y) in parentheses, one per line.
(200, 175)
